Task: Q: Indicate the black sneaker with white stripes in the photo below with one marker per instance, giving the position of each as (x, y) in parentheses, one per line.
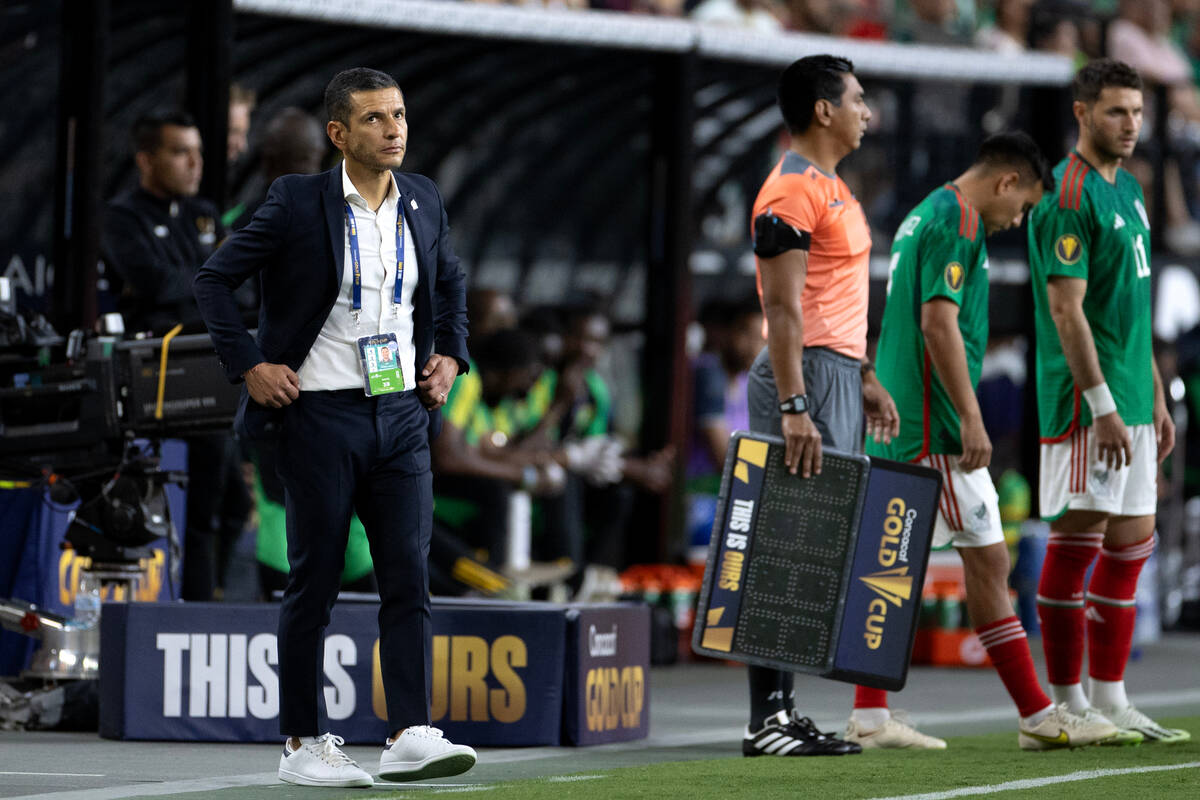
(794, 736)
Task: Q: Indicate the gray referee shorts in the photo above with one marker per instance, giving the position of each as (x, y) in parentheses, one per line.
(834, 385)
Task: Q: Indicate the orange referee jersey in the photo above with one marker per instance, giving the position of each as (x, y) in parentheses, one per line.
(837, 287)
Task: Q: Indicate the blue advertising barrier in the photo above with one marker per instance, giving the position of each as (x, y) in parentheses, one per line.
(209, 672)
(607, 678)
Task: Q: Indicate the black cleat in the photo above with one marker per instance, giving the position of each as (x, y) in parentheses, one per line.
(794, 736)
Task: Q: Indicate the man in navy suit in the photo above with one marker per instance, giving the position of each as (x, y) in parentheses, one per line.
(354, 262)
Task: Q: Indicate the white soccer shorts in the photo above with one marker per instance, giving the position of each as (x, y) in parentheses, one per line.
(1073, 478)
(968, 507)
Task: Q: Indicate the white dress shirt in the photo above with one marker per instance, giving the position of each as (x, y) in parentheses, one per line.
(333, 361)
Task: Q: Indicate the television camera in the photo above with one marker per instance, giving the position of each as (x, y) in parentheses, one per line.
(89, 427)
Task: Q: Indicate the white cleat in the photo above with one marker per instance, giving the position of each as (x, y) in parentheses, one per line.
(1123, 736)
(897, 733)
(1134, 720)
(1061, 729)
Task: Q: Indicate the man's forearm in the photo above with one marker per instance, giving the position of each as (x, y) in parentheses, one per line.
(1079, 349)
(948, 355)
(785, 344)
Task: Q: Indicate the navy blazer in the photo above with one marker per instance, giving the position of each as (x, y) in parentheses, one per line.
(296, 240)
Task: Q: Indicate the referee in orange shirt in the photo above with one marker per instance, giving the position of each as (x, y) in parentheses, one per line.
(812, 383)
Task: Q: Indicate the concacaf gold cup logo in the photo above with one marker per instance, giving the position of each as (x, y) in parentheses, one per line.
(1068, 249)
(893, 585)
(954, 276)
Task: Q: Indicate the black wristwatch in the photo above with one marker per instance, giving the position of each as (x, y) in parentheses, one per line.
(796, 404)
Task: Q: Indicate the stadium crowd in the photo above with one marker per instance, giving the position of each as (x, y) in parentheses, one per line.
(1160, 38)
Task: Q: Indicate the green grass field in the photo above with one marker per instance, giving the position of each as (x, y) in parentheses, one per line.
(969, 765)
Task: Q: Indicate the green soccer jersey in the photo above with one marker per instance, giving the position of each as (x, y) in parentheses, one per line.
(939, 251)
(1097, 231)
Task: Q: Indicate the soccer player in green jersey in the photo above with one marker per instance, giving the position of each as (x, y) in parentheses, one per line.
(1104, 421)
(935, 329)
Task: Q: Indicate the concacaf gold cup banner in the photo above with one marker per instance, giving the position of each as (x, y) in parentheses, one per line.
(822, 574)
(504, 674)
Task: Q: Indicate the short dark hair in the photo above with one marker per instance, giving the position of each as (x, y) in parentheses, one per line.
(1096, 76)
(806, 81)
(507, 349)
(146, 133)
(349, 81)
(1018, 151)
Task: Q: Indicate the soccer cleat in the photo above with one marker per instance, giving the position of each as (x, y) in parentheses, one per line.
(1061, 728)
(1134, 720)
(782, 735)
(321, 763)
(897, 733)
(421, 752)
(1123, 736)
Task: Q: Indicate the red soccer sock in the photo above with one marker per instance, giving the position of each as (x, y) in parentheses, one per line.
(866, 697)
(1111, 611)
(1009, 650)
(1060, 602)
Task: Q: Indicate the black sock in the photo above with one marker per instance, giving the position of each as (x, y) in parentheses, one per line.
(766, 694)
(788, 687)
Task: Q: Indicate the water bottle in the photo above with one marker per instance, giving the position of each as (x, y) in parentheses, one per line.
(520, 510)
(87, 600)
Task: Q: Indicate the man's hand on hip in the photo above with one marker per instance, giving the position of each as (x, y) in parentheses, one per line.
(802, 445)
(272, 385)
(437, 377)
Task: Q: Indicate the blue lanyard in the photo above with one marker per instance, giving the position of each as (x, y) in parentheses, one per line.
(356, 262)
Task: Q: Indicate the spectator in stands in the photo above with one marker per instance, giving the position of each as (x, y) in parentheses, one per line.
(1009, 32)
(658, 8)
(1054, 28)
(941, 130)
(1140, 36)
(155, 237)
(762, 16)
(241, 105)
(816, 16)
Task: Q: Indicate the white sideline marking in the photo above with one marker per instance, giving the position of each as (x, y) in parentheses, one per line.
(1036, 783)
(59, 774)
(571, 778)
(154, 788)
(478, 787)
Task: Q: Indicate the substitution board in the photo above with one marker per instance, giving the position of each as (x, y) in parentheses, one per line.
(821, 574)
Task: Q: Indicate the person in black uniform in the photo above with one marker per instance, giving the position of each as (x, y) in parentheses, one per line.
(156, 235)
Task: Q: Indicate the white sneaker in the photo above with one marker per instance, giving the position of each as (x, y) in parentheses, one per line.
(1061, 729)
(321, 763)
(1129, 717)
(421, 752)
(897, 733)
